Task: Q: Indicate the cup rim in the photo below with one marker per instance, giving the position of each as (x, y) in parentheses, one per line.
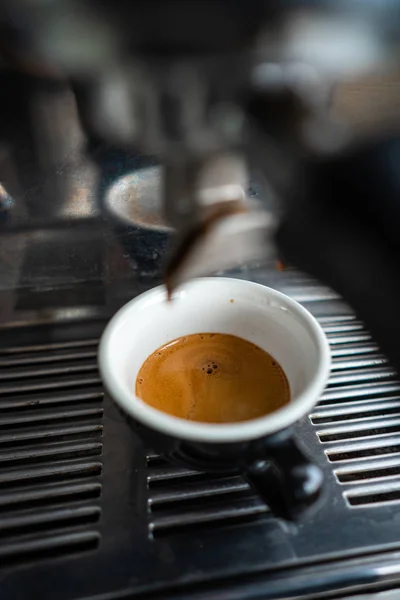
(216, 432)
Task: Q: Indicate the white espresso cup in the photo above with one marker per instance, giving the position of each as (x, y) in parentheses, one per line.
(262, 449)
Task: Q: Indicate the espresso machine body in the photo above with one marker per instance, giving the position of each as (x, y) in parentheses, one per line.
(126, 129)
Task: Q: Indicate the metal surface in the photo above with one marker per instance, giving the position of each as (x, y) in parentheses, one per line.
(50, 451)
(85, 510)
(149, 528)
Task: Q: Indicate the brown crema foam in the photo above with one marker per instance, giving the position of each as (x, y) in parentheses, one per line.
(213, 378)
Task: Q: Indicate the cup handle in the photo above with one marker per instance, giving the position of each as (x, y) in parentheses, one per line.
(286, 479)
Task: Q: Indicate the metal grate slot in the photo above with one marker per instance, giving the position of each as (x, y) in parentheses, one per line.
(371, 360)
(28, 521)
(45, 384)
(350, 338)
(347, 327)
(51, 347)
(311, 293)
(355, 349)
(359, 391)
(47, 357)
(363, 450)
(43, 416)
(181, 500)
(50, 429)
(234, 512)
(360, 431)
(350, 376)
(359, 404)
(48, 547)
(212, 488)
(366, 496)
(156, 460)
(327, 319)
(49, 473)
(36, 371)
(370, 470)
(170, 473)
(366, 412)
(51, 433)
(52, 452)
(50, 399)
(48, 494)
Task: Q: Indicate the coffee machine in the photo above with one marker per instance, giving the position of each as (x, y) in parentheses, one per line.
(143, 142)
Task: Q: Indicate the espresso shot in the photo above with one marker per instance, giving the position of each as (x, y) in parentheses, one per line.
(213, 378)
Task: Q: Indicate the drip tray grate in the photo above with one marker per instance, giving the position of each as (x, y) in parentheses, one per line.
(181, 500)
(50, 450)
(358, 423)
(95, 516)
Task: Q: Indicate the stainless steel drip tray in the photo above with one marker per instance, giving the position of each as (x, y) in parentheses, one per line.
(86, 511)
